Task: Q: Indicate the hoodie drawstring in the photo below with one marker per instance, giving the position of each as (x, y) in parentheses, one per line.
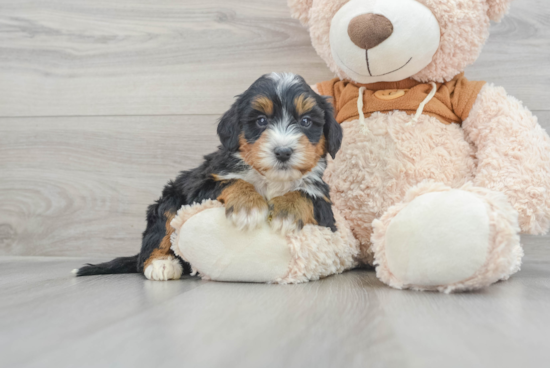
(360, 108)
(423, 104)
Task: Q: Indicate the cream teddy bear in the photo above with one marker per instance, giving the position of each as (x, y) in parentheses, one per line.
(437, 175)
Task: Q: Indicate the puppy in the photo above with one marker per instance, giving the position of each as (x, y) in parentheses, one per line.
(270, 166)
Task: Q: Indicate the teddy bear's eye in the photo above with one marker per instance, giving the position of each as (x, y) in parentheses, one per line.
(305, 122)
(261, 121)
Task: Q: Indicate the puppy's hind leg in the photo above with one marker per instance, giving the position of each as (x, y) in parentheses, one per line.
(156, 260)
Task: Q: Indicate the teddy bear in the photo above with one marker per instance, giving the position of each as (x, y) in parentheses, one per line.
(436, 176)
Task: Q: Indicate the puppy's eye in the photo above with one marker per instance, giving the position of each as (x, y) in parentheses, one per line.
(262, 121)
(305, 122)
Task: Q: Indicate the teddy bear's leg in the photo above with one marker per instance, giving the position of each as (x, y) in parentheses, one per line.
(222, 252)
(447, 239)
(219, 251)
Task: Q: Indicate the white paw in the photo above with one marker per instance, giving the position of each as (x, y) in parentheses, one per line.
(164, 269)
(248, 219)
(285, 225)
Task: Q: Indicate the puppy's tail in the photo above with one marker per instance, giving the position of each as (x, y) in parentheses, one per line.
(117, 265)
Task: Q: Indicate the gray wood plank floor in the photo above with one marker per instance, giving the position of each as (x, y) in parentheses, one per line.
(101, 102)
(50, 319)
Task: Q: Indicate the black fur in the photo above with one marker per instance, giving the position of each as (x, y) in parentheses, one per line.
(117, 265)
(322, 209)
(196, 185)
(332, 130)
(229, 136)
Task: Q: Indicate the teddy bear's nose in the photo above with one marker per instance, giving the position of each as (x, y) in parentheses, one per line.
(369, 30)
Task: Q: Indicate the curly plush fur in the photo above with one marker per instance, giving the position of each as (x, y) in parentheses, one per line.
(376, 167)
(464, 30)
(315, 252)
(504, 256)
(499, 153)
(513, 155)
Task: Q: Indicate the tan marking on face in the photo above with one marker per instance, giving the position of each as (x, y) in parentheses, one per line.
(293, 204)
(250, 152)
(163, 251)
(242, 195)
(311, 153)
(304, 104)
(264, 104)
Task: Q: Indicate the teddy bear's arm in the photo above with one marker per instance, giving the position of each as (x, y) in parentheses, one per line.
(513, 153)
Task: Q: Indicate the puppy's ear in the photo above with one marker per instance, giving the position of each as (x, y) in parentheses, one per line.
(331, 129)
(229, 129)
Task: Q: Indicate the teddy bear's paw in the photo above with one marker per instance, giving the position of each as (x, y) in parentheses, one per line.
(221, 252)
(164, 269)
(448, 240)
(290, 213)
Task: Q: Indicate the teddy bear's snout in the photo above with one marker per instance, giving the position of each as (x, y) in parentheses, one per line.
(369, 30)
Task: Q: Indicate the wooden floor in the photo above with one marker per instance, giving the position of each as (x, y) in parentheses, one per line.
(101, 102)
(50, 319)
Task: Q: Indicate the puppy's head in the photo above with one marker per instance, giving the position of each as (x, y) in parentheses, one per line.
(281, 127)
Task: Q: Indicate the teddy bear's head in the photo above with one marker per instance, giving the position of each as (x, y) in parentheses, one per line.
(371, 41)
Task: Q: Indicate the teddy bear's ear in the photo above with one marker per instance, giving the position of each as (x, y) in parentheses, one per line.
(498, 9)
(299, 9)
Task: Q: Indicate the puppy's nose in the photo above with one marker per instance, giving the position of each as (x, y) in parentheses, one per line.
(283, 154)
(369, 30)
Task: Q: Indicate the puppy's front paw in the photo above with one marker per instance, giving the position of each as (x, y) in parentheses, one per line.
(290, 213)
(164, 269)
(248, 216)
(244, 207)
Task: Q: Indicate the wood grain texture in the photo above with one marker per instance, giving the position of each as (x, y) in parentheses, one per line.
(137, 57)
(48, 318)
(75, 181)
(79, 186)
(75, 186)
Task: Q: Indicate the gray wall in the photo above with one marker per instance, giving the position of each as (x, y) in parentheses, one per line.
(101, 102)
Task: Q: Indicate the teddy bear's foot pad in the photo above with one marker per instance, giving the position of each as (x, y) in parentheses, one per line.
(439, 239)
(220, 251)
(446, 239)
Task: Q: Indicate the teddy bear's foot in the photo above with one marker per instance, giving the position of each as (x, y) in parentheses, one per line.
(447, 239)
(221, 251)
(218, 251)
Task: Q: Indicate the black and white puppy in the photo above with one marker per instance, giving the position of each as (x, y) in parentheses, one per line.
(270, 167)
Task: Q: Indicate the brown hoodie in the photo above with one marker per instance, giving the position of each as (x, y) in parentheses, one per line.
(451, 104)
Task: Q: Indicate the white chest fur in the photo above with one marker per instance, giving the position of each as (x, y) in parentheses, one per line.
(269, 187)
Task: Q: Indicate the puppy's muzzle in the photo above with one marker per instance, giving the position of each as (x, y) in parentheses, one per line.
(283, 154)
